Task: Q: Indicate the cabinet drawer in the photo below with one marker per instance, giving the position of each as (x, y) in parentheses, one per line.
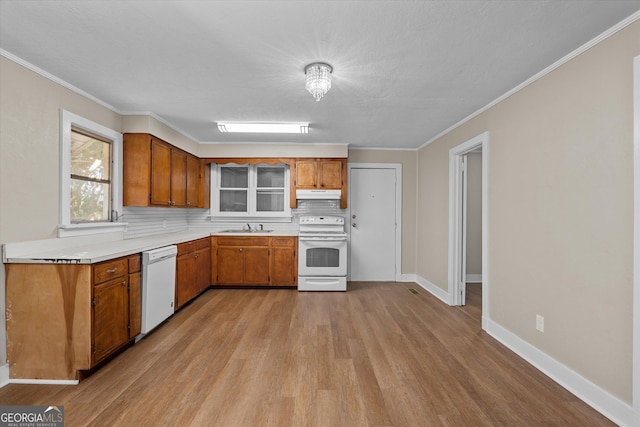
(185, 248)
(243, 241)
(288, 241)
(110, 270)
(134, 263)
(202, 243)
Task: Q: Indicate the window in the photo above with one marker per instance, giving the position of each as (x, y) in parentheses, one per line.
(250, 191)
(90, 177)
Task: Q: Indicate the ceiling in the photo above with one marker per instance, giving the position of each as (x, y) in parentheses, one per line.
(404, 71)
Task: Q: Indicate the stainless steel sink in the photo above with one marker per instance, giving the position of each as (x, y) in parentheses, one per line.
(246, 231)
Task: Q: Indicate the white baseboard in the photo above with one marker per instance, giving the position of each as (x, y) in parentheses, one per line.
(474, 278)
(4, 375)
(436, 291)
(602, 401)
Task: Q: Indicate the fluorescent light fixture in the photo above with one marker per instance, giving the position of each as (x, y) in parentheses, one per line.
(263, 127)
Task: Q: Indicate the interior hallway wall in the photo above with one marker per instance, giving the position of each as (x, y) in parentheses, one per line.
(474, 214)
(560, 211)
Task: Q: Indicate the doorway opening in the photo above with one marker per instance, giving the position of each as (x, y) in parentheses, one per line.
(458, 226)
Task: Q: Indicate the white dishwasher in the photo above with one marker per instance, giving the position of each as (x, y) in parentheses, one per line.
(158, 286)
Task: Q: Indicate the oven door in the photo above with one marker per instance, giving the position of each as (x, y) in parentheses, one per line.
(318, 256)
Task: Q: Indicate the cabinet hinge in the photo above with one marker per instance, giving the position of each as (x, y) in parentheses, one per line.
(93, 301)
(93, 348)
(129, 326)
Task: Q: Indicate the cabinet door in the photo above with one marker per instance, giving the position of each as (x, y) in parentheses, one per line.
(283, 266)
(135, 305)
(203, 269)
(185, 278)
(306, 173)
(178, 178)
(136, 171)
(110, 317)
(256, 266)
(193, 181)
(230, 265)
(160, 173)
(330, 174)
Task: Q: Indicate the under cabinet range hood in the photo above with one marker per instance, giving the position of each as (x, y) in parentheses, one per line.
(318, 194)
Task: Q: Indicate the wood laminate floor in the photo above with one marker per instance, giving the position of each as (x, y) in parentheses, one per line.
(377, 355)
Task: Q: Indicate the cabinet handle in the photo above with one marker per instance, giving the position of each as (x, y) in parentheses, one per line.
(111, 271)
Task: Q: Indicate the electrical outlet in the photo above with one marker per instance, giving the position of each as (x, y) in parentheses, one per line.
(539, 323)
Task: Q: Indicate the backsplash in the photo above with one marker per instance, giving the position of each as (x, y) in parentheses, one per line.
(149, 221)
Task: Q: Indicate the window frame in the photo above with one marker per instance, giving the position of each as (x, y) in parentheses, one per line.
(66, 228)
(252, 192)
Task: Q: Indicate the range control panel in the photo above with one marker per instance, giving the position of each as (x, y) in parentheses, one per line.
(321, 220)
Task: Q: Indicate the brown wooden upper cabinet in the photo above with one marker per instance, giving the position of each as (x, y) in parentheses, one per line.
(159, 174)
(326, 174)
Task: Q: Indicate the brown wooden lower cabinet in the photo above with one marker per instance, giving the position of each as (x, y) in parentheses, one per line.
(254, 261)
(66, 318)
(193, 270)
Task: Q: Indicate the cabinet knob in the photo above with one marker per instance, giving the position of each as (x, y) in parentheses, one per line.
(240, 249)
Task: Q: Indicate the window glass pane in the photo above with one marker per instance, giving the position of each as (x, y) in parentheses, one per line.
(234, 177)
(233, 201)
(270, 201)
(270, 177)
(323, 257)
(90, 157)
(89, 201)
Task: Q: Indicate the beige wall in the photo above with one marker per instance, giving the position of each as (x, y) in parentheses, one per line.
(408, 160)
(30, 132)
(560, 211)
(149, 124)
(474, 213)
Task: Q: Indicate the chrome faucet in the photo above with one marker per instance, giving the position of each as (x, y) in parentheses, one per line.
(248, 227)
(261, 227)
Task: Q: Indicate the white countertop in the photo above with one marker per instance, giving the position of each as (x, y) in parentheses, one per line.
(96, 252)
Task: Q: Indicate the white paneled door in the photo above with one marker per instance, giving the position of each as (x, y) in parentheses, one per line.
(372, 224)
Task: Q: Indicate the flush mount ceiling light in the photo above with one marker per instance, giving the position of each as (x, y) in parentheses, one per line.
(263, 127)
(318, 79)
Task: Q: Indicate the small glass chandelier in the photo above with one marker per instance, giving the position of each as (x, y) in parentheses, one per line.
(318, 79)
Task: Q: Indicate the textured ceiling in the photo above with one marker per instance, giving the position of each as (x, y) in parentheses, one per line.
(404, 71)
